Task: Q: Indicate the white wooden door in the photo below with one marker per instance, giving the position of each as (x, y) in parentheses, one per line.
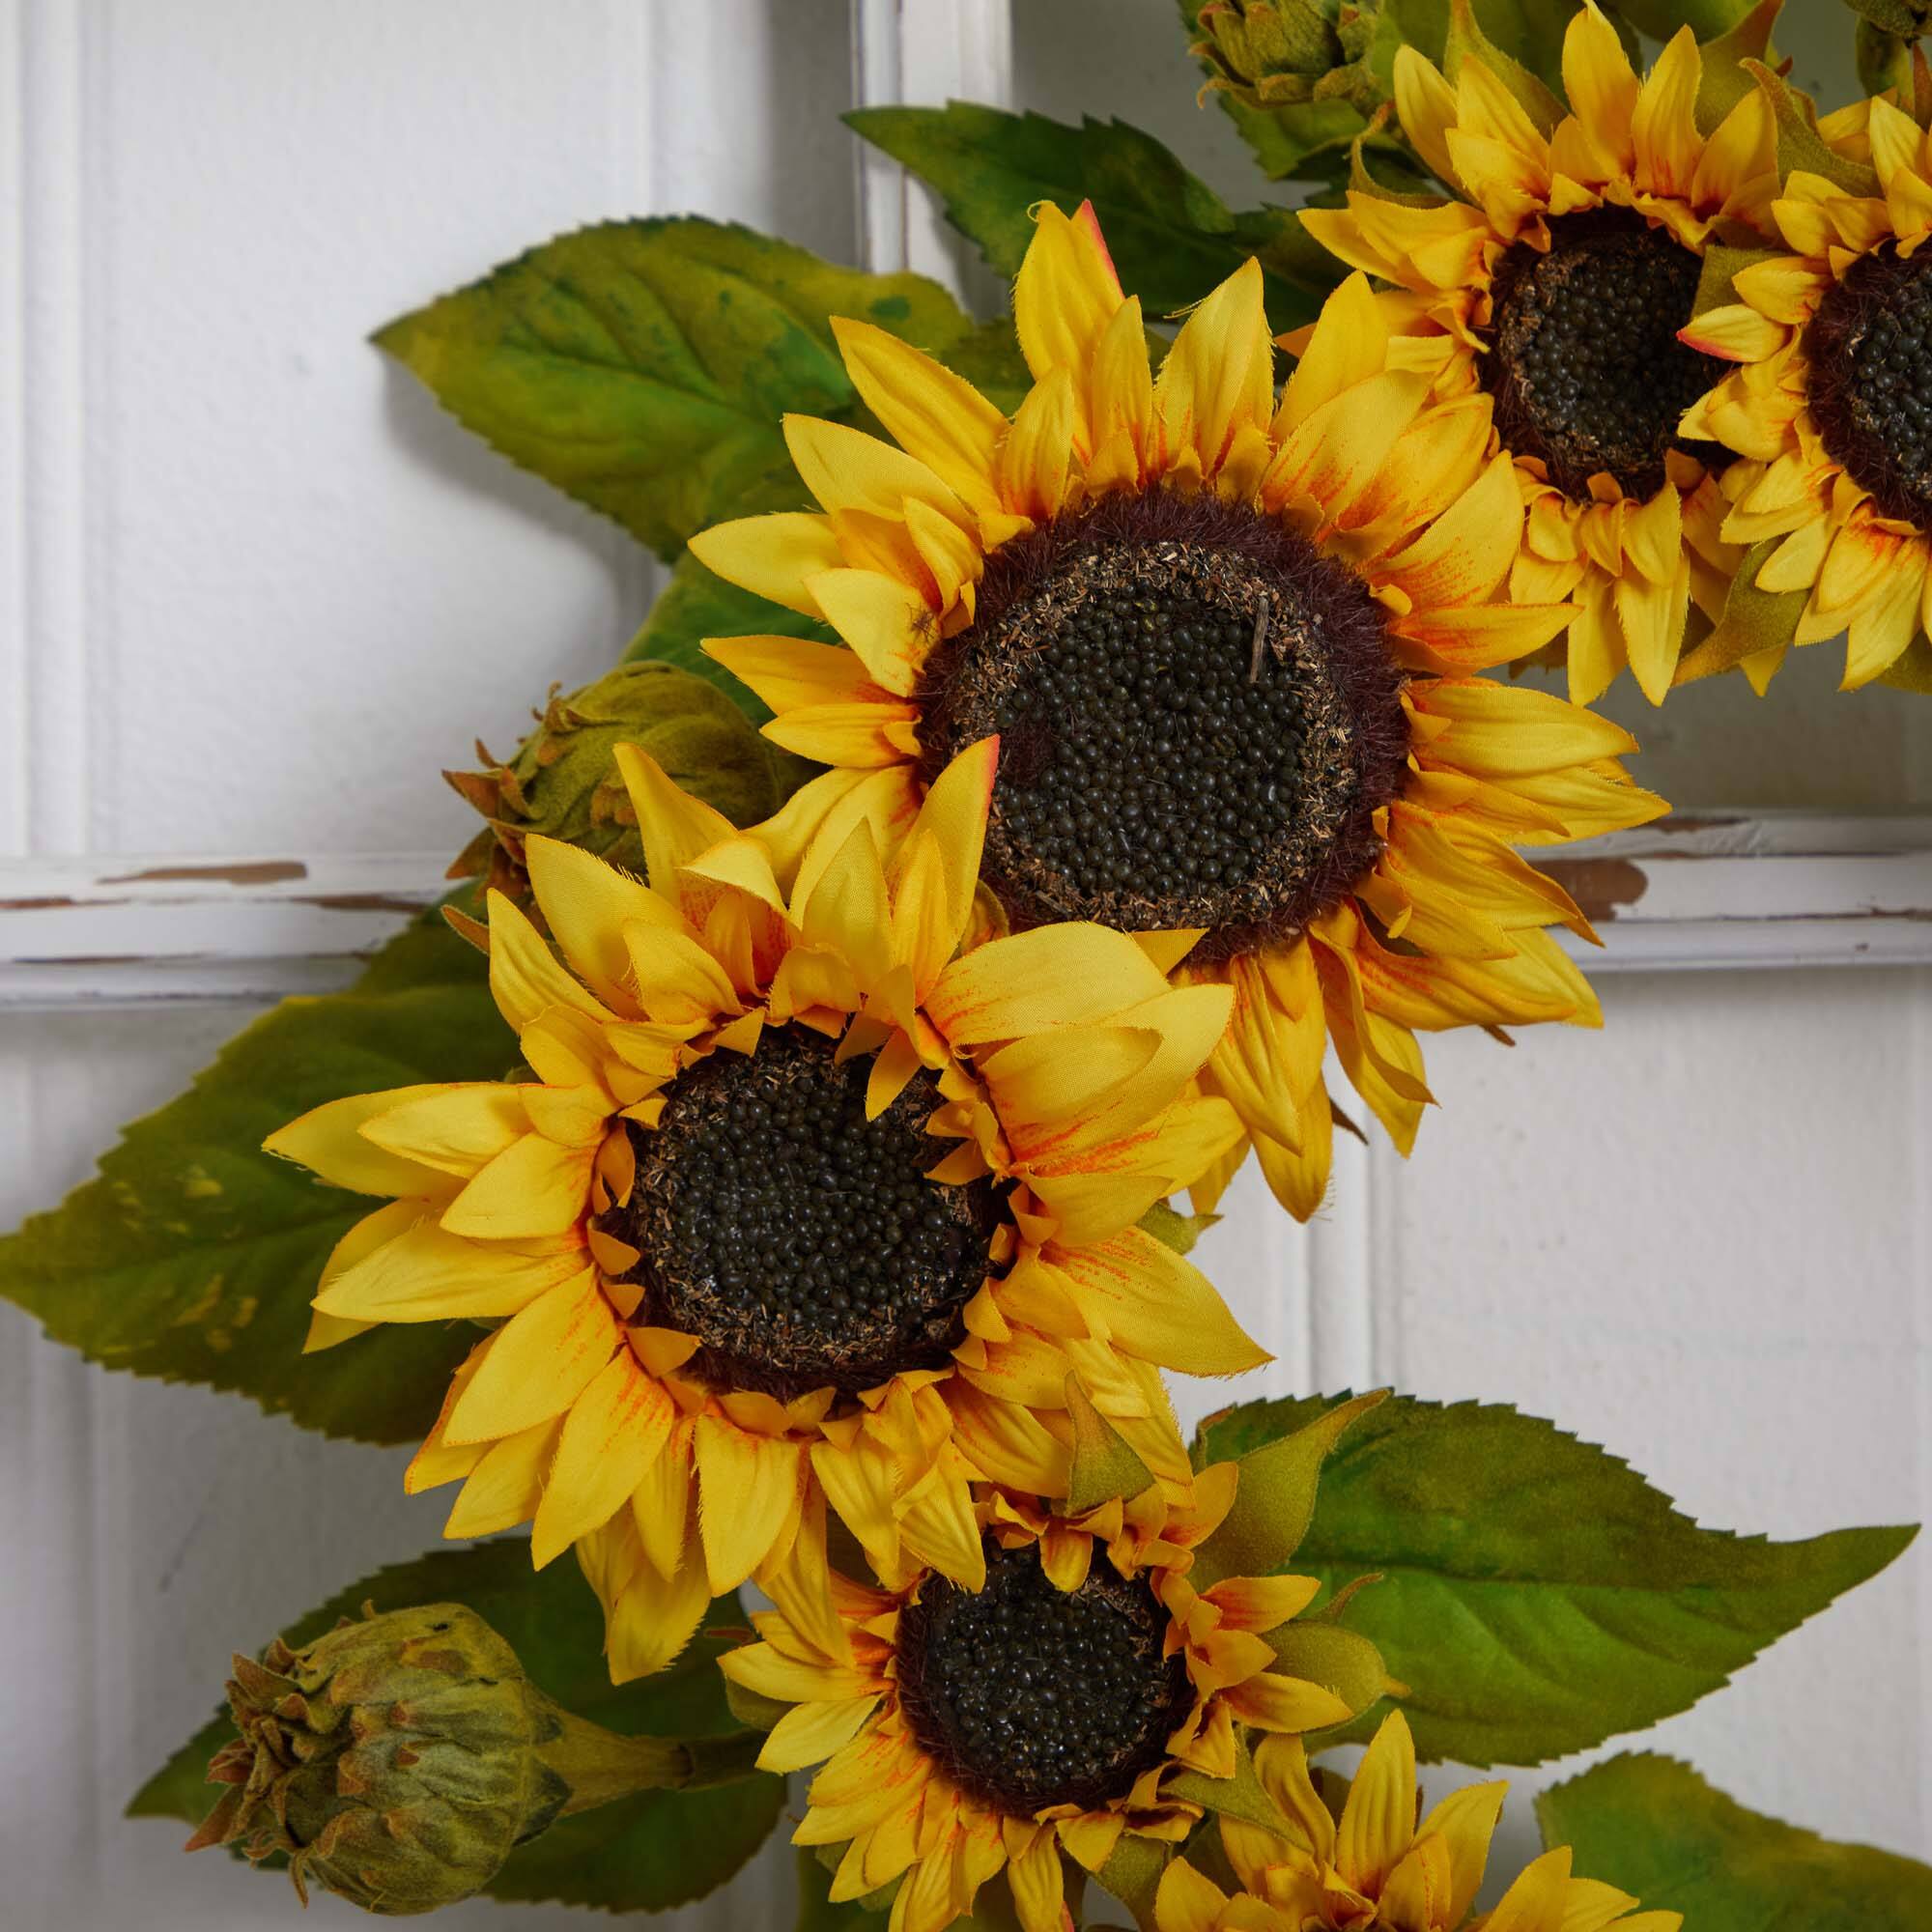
(257, 591)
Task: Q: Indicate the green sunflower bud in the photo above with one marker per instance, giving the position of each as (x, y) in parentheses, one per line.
(1273, 54)
(564, 783)
(397, 1762)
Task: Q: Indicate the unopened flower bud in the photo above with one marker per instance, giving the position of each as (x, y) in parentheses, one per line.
(1273, 54)
(564, 780)
(397, 1761)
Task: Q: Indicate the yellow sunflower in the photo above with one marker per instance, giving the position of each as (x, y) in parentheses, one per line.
(1089, 1691)
(1364, 1861)
(1827, 401)
(1228, 642)
(1556, 286)
(794, 1205)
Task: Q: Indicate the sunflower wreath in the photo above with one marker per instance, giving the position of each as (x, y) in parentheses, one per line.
(1056, 737)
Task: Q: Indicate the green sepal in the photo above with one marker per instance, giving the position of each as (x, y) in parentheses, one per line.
(641, 1853)
(1274, 1501)
(1132, 1874)
(1652, 1825)
(1884, 59)
(1242, 1797)
(1172, 237)
(1725, 82)
(1465, 39)
(1103, 1465)
(1718, 278)
(1912, 669)
(751, 1708)
(1339, 1660)
(192, 1255)
(643, 366)
(1175, 1230)
(1538, 1594)
(1753, 620)
(1800, 145)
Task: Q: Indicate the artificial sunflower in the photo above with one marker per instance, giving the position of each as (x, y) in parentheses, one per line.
(1089, 1691)
(1227, 645)
(1832, 347)
(1556, 285)
(794, 1205)
(1357, 1858)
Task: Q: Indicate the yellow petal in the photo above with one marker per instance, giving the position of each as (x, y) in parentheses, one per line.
(749, 1489)
(427, 1274)
(1038, 450)
(889, 625)
(1160, 1307)
(1465, 1821)
(674, 827)
(1465, 553)
(1379, 1818)
(954, 813)
(772, 557)
(540, 1362)
(525, 978)
(329, 1141)
(1601, 85)
(1349, 345)
(506, 1485)
(931, 413)
(809, 1733)
(1219, 374)
(613, 1433)
(788, 672)
(587, 902)
(1067, 292)
(846, 470)
(1273, 1702)
(1534, 1902)
(1052, 975)
(1663, 124)
(533, 1187)
(456, 1129)
(1426, 105)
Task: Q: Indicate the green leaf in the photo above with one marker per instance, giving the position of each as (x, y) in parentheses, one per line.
(1752, 620)
(1538, 1594)
(1800, 145)
(643, 1854)
(816, 1912)
(1172, 237)
(1651, 1825)
(192, 1255)
(1103, 1467)
(643, 366)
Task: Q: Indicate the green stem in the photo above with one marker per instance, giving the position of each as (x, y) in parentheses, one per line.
(1885, 61)
(723, 1760)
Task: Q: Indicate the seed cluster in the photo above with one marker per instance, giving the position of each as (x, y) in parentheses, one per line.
(1584, 361)
(1196, 728)
(798, 1241)
(1871, 349)
(1030, 1695)
(1172, 774)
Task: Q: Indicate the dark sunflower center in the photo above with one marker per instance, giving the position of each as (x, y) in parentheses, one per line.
(1199, 717)
(1583, 357)
(1870, 350)
(1029, 1695)
(800, 1242)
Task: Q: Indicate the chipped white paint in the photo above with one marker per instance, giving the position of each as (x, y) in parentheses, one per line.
(254, 591)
